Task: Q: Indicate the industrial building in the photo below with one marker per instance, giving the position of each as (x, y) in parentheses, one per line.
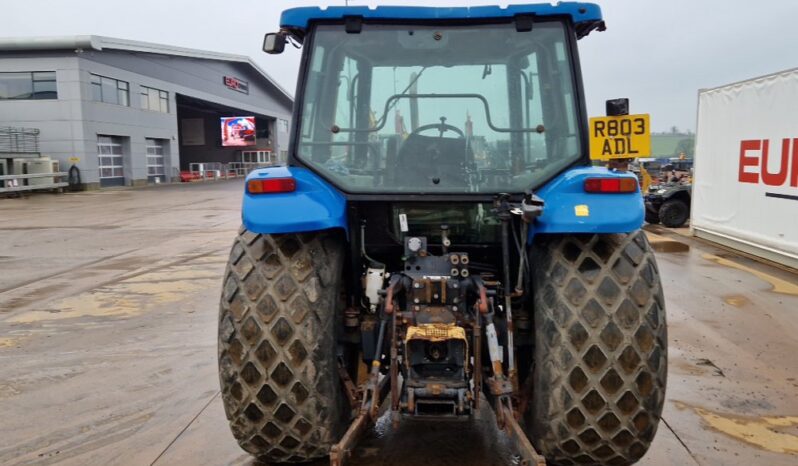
(127, 113)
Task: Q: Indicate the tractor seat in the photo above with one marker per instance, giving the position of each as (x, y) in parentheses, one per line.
(424, 158)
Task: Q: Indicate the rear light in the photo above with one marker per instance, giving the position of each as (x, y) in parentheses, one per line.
(610, 185)
(271, 185)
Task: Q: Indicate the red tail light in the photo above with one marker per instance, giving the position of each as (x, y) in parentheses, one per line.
(610, 185)
(271, 185)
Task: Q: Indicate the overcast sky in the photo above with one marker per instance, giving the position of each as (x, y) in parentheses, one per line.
(657, 53)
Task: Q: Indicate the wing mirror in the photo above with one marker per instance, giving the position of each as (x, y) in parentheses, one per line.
(274, 42)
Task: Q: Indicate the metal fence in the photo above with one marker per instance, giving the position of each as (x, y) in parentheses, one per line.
(20, 182)
(32, 182)
(221, 171)
(19, 140)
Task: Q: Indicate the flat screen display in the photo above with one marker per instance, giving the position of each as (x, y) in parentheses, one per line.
(238, 131)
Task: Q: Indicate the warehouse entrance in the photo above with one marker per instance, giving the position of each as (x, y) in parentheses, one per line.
(214, 133)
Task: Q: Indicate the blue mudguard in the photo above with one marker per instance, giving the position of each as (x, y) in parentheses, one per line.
(569, 209)
(315, 205)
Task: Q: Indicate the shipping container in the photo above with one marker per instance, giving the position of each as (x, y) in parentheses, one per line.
(745, 188)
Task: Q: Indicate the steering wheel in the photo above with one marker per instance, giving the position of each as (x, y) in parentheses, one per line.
(442, 127)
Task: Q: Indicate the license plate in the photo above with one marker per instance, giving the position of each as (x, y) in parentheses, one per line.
(620, 137)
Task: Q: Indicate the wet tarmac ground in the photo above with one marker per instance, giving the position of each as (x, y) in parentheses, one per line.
(108, 304)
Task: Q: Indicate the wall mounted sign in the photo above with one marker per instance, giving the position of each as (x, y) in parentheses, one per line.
(236, 84)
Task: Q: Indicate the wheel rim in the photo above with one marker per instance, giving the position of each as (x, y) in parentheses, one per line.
(676, 214)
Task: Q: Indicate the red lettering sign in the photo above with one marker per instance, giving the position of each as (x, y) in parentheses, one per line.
(788, 166)
(794, 179)
(745, 146)
(775, 179)
(236, 84)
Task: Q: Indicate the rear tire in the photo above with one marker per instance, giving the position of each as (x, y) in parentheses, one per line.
(600, 358)
(652, 217)
(277, 363)
(674, 213)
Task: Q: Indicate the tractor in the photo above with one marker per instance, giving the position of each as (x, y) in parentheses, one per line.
(439, 241)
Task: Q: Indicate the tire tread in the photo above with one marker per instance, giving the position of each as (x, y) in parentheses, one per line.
(279, 383)
(600, 361)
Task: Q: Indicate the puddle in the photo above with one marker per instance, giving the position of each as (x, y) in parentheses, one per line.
(772, 433)
(779, 285)
(130, 297)
(736, 300)
(669, 246)
(33, 296)
(8, 390)
(450, 443)
(7, 342)
(664, 244)
(123, 263)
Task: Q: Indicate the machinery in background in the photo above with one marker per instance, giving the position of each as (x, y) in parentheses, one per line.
(669, 204)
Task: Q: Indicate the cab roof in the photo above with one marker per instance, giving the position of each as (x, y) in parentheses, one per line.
(585, 16)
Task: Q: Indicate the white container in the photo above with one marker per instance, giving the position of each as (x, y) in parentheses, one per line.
(745, 189)
(36, 166)
(18, 166)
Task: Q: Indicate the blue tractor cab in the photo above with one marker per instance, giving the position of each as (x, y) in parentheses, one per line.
(439, 219)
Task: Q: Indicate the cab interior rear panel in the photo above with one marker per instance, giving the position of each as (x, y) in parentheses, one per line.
(472, 228)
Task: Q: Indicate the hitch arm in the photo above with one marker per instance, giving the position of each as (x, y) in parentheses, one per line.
(529, 456)
(342, 450)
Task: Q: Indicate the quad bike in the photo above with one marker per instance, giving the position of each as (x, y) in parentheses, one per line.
(439, 240)
(668, 204)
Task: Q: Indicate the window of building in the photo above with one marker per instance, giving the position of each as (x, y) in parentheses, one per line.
(154, 99)
(109, 90)
(110, 155)
(282, 125)
(155, 157)
(28, 85)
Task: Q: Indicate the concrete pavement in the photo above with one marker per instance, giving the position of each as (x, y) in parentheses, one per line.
(108, 307)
